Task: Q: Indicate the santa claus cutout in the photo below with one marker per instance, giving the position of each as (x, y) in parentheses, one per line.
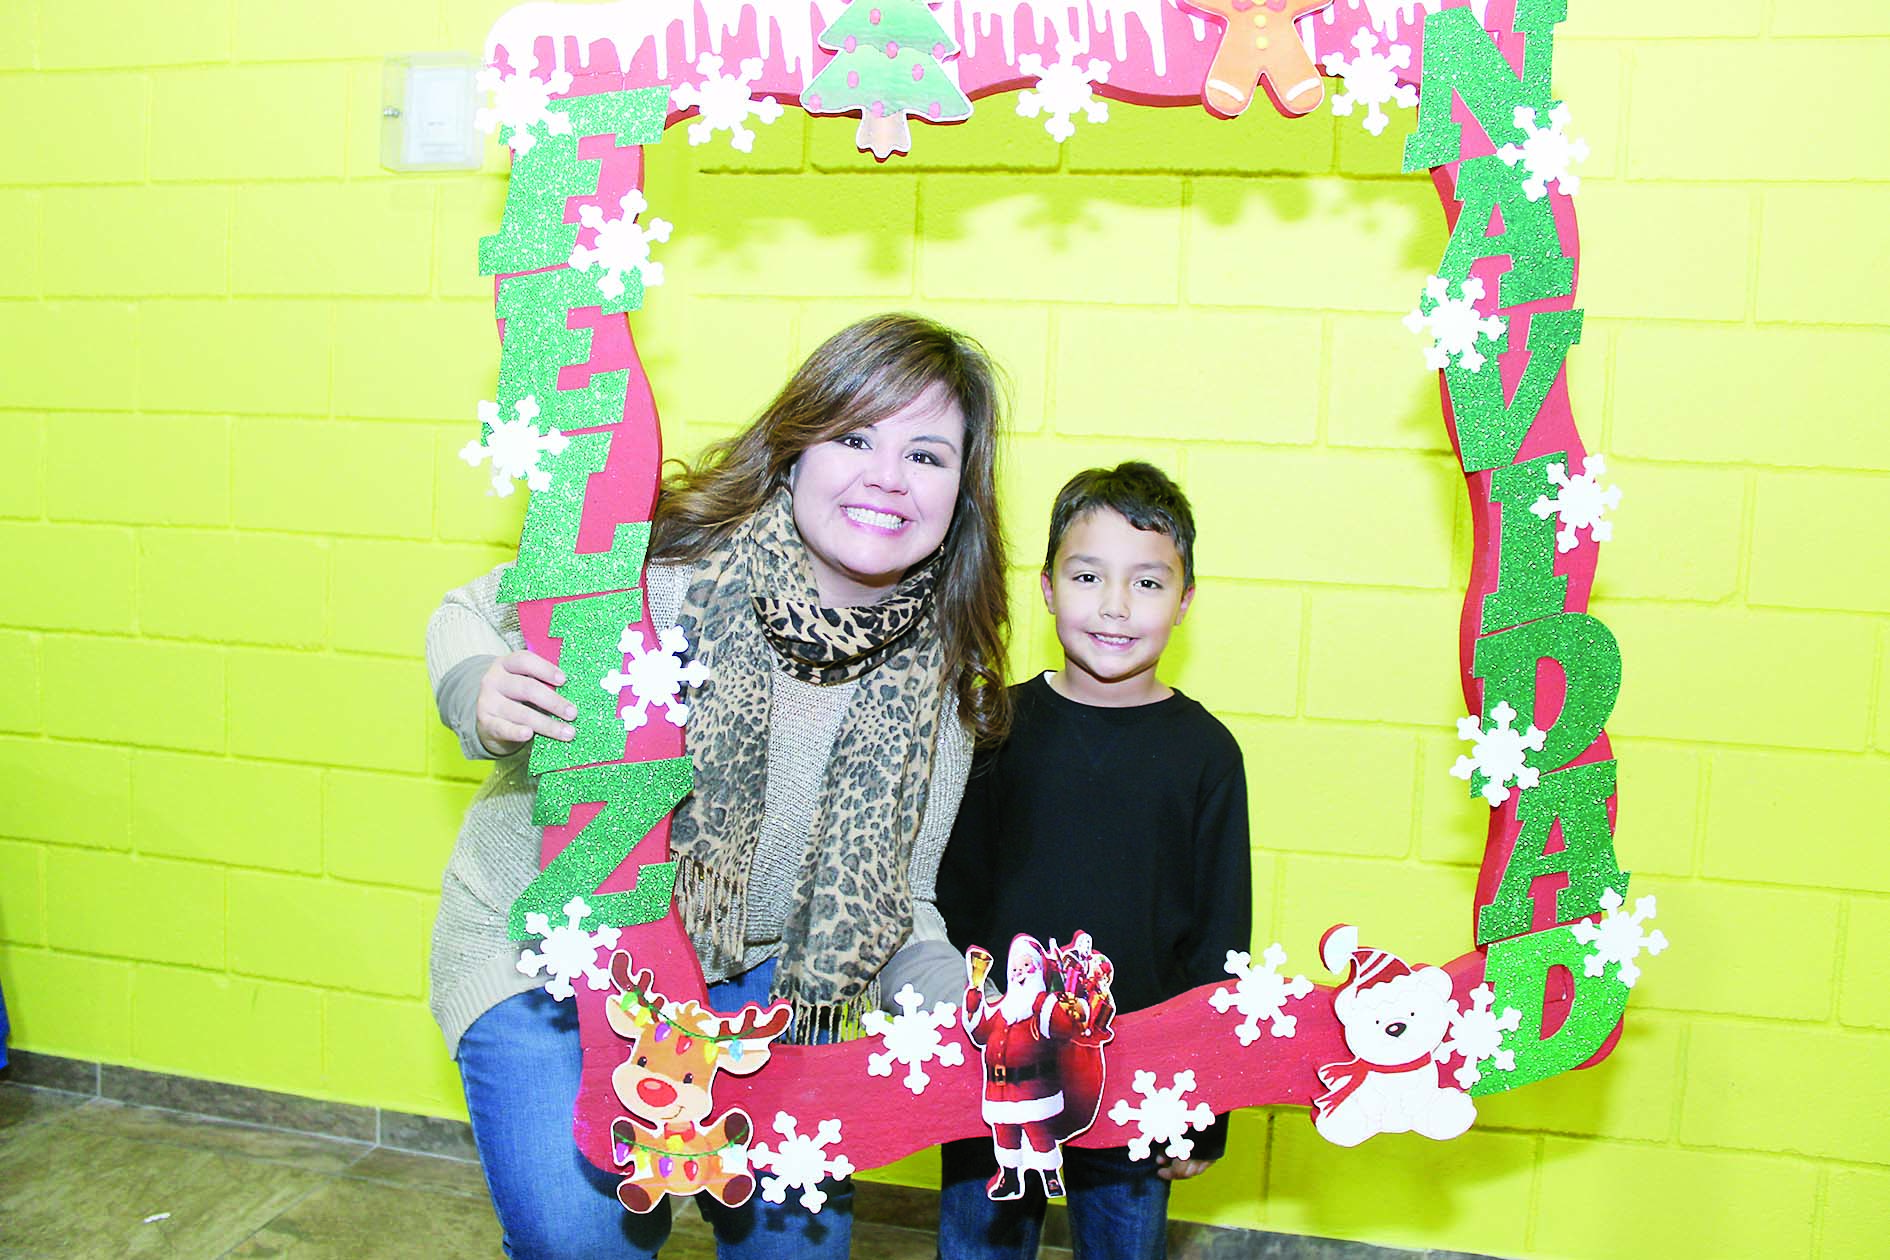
(1042, 1044)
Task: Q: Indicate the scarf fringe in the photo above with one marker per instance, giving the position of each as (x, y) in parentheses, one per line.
(713, 904)
(872, 789)
(714, 907)
(823, 1023)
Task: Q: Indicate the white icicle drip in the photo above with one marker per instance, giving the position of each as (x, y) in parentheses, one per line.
(1063, 21)
(631, 24)
(1386, 15)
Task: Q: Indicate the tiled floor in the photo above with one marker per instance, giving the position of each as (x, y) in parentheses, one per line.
(88, 1177)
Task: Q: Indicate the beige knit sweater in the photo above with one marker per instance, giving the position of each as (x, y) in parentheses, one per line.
(474, 964)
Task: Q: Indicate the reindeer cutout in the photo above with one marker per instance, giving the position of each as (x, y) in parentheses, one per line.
(667, 1142)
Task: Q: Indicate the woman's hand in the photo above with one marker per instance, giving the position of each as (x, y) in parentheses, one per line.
(516, 701)
(1171, 1169)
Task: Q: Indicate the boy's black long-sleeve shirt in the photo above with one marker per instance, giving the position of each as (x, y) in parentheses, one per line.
(1130, 824)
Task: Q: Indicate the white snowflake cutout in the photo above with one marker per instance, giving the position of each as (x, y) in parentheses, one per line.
(1619, 938)
(1260, 993)
(735, 1159)
(621, 244)
(800, 1162)
(1580, 502)
(1371, 79)
(1453, 324)
(514, 446)
(522, 101)
(1477, 1035)
(1546, 153)
(1498, 752)
(725, 102)
(568, 951)
(912, 1038)
(1063, 90)
(656, 677)
(1162, 1116)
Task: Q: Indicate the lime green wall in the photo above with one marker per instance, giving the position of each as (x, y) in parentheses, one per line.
(239, 358)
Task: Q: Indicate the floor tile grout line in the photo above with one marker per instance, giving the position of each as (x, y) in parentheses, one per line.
(347, 1170)
(407, 1150)
(379, 1142)
(380, 1125)
(50, 1116)
(359, 1150)
(323, 1181)
(350, 1170)
(211, 1118)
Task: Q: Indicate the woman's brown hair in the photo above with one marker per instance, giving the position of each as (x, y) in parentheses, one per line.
(860, 376)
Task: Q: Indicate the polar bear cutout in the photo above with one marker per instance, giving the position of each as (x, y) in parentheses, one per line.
(1395, 1019)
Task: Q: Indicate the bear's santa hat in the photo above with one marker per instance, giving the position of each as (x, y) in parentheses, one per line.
(1339, 948)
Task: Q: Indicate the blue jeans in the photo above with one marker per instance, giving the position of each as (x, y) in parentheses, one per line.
(1118, 1206)
(519, 1064)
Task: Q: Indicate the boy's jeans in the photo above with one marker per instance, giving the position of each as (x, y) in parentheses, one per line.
(519, 1063)
(1118, 1207)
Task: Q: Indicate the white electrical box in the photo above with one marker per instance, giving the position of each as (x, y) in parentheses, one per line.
(427, 106)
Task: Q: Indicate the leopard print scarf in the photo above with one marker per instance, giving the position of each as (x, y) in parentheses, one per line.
(751, 605)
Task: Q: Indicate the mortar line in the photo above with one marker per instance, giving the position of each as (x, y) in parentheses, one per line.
(1540, 1151)
(1874, 714)
(1748, 524)
(1820, 1190)
(1322, 418)
(1053, 341)
(1702, 800)
(1676, 1110)
(1839, 956)
(1757, 205)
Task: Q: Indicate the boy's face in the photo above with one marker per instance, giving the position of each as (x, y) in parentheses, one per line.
(1116, 593)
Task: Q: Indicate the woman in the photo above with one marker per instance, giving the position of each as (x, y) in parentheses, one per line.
(838, 566)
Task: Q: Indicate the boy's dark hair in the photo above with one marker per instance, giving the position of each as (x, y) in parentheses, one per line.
(1145, 496)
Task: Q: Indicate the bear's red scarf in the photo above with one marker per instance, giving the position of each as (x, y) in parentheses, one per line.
(1343, 1079)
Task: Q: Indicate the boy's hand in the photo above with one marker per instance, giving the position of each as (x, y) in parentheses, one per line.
(516, 701)
(1170, 1169)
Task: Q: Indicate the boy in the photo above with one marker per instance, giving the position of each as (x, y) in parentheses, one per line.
(1117, 806)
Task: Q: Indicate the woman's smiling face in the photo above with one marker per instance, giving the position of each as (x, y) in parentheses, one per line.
(877, 500)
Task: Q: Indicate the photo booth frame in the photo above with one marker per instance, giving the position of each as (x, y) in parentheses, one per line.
(579, 90)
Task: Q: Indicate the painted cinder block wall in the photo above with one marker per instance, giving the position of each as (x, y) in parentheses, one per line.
(238, 358)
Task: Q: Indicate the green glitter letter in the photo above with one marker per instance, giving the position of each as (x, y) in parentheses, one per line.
(533, 233)
(636, 796)
(539, 343)
(1591, 661)
(1460, 57)
(1527, 586)
(1490, 429)
(549, 563)
(1579, 799)
(1538, 268)
(590, 629)
(1518, 971)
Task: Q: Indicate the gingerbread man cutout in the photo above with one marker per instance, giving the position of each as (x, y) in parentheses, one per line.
(1259, 42)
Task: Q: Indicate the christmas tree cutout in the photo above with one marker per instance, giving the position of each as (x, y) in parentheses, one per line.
(886, 65)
